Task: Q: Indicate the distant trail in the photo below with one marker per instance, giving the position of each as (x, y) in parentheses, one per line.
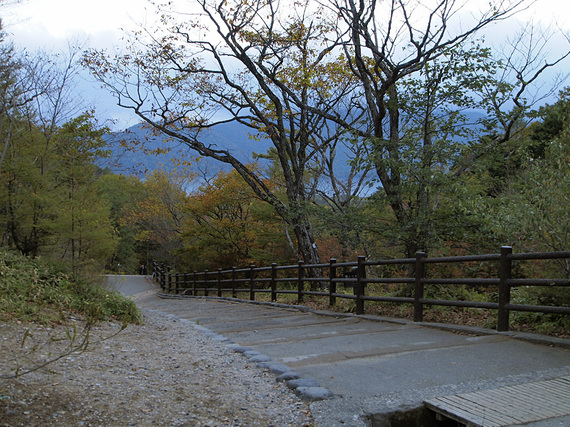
(129, 284)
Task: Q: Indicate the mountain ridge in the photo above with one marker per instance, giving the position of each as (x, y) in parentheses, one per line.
(138, 150)
(131, 149)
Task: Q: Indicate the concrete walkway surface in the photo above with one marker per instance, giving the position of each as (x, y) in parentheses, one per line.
(374, 367)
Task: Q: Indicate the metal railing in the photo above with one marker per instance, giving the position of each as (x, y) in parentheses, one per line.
(294, 280)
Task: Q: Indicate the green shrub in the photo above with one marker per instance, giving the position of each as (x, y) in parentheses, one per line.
(33, 290)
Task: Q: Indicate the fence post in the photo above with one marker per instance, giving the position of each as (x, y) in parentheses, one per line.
(206, 293)
(154, 269)
(185, 282)
(176, 284)
(274, 282)
(158, 275)
(300, 284)
(505, 273)
(251, 281)
(195, 284)
(419, 287)
(163, 277)
(360, 285)
(332, 282)
(169, 281)
(219, 282)
(234, 292)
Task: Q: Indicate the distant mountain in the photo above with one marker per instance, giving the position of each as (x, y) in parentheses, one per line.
(132, 150)
(133, 157)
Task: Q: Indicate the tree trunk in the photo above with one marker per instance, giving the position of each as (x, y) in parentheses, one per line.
(307, 247)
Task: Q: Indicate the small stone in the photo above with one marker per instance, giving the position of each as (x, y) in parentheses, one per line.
(239, 348)
(312, 394)
(278, 368)
(251, 353)
(260, 358)
(265, 365)
(286, 376)
(302, 382)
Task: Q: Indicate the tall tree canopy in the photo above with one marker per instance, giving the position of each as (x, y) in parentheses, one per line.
(263, 64)
(50, 202)
(419, 65)
(392, 77)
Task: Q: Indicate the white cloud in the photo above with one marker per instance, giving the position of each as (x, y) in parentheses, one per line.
(61, 17)
(50, 24)
(44, 23)
(52, 20)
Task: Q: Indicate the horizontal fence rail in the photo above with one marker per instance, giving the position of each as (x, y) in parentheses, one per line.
(355, 276)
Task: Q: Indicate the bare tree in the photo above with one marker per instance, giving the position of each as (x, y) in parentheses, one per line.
(16, 91)
(262, 64)
(392, 46)
(523, 59)
(346, 184)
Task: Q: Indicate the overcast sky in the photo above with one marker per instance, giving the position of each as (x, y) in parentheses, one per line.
(49, 24)
(44, 22)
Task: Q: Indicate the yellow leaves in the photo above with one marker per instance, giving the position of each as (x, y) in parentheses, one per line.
(223, 226)
(158, 215)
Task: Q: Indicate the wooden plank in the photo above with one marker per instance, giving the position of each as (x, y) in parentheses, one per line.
(478, 414)
(558, 388)
(549, 399)
(458, 414)
(536, 403)
(541, 400)
(544, 391)
(503, 409)
(557, 385)
(519, 400)
(486, 412)
(533, 394)
(546, 385)
(507, 405)
(523, 407)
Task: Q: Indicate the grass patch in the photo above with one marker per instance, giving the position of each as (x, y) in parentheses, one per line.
(33, 290)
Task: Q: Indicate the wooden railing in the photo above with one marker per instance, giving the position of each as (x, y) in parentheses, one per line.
(356, 275)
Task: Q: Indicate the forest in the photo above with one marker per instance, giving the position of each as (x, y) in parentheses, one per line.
(449, 146)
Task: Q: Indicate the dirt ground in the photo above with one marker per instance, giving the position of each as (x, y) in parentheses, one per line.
(158, 373)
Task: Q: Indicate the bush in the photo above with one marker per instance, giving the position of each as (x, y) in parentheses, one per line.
(35, 291)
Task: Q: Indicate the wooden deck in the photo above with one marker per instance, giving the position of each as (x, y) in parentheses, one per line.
(507, 405)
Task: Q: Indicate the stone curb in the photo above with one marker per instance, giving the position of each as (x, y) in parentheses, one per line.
(313, 394)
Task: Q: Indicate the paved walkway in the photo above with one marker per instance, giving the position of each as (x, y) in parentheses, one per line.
(372, 366)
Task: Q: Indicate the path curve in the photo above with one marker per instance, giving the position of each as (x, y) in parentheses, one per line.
(372, 366)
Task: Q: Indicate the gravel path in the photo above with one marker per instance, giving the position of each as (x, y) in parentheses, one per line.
(164, 372)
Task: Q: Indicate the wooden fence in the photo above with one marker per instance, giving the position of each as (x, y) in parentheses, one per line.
(356, 276)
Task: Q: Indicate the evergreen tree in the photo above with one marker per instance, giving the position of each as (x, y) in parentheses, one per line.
(81, 230)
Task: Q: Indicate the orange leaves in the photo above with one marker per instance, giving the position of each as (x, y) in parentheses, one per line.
(224, 224)
(158, 216)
